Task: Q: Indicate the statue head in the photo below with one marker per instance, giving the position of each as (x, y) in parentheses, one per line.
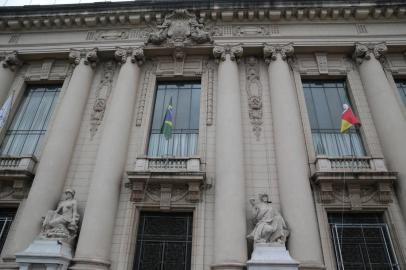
(69, 193)
(264, 198)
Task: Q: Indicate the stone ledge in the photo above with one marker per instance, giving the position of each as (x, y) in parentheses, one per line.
(16, 175)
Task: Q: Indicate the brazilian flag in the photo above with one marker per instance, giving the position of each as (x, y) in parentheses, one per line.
(167, 125)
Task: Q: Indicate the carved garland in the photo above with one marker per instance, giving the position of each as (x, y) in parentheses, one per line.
(254, 92)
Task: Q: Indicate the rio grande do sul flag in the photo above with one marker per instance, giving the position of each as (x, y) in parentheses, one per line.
(348, 118)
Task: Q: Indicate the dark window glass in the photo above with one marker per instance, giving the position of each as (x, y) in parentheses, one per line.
(401, 84)
(361, 241)
(6, 218)
(324, 100)
(24, 135)
(164, 241)
(186, 107)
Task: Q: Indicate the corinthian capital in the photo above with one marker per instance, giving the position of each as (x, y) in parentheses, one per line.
(136, 54)
(364, 51)
(271, 52)
(11, 60)
(235, 52)
(90, 57)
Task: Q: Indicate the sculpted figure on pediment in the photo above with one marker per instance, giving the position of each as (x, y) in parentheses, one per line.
(270, 227)
(179, 28)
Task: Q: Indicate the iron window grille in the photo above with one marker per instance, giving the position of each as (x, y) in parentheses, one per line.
(6, 219)
(24, 136)
(362, 243)
(164, 241)
(186, 111)
(401, 85)
(324, 100)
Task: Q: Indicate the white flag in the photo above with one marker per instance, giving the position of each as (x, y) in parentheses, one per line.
(5, 110)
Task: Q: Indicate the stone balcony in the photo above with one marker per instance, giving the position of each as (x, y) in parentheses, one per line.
(353, 176)
(166, 180)
(16, 175)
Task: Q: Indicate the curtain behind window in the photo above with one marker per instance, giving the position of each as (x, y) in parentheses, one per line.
(25, 134)
(186, 110)
(324, 100)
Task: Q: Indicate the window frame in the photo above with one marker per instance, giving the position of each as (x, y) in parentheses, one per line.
(347, 89)
(16, 104)
(154, 89)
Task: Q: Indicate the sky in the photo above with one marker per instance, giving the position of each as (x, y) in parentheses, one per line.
(49, 2)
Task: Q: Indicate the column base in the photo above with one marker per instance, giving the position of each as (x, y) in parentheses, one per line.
(228, 266)
(89, 263)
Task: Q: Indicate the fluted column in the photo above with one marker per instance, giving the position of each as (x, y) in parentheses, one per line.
(54, 162)
(8, 67)
(230, 250)
(291, 159)
(386, 112)
(95, 239)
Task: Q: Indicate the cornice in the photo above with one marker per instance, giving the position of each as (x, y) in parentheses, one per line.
(11, 21)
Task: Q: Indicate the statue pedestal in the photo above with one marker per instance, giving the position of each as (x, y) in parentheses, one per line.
(46, 255)
(268, 256)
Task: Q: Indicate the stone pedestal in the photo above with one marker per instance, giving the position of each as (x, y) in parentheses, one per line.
(45, 254)
(271, 257)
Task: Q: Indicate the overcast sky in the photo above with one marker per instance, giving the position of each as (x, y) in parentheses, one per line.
(49, 2)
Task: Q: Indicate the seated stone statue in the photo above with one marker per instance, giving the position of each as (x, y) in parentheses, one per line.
(270, 226)
(63, 222)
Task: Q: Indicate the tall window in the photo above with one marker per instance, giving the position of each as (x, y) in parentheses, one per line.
(6, 218)
(401, 84)
(324, 100)
(25, 134)
(185, 98)
(164, 241)
(361, 241)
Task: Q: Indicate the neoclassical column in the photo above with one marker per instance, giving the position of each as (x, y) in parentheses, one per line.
(386, 112)
(291, 160)
(50, 176)
(96, 234)
(8, 68)
(230, 251)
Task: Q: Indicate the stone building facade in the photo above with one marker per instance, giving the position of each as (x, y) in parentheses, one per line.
(256, 90)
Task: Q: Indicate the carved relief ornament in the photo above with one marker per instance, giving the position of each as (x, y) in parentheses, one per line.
(271, 52)
(179, 28)
(136, 54)
(11, 60)
(90, 57)
(254, 92)
(220, 52)
(364, 51)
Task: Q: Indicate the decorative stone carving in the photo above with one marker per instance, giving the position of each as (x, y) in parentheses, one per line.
(11, 61)
(210, 94)
(102, 94)
(364, 51)
(62, 223)
(254, 92)
(270, 52)
(235, 52)
(112, 35)
(270, 226)
(178, 29)
(90, 57)
(149, 71)
(137, 55)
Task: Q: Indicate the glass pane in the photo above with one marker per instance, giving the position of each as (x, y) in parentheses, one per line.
(324, 100)
(401, 84)
(30, 121)
(185, 98)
